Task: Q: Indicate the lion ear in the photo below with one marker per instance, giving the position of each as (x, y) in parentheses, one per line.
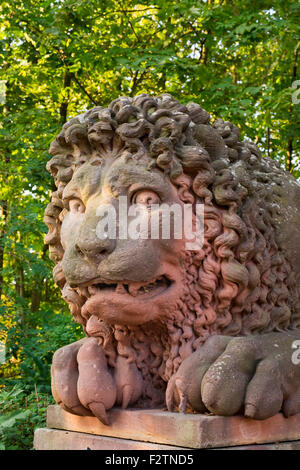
(211, 141)
(193, 159)
(197, 114)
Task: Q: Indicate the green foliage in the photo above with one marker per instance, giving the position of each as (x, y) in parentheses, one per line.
(35, 345)
(236, 58)
(21, 414)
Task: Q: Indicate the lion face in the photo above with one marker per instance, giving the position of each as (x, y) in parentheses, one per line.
(124, 281)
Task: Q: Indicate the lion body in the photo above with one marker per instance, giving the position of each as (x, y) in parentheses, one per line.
(245, 279)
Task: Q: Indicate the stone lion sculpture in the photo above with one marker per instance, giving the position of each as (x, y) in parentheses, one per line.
(212, 330)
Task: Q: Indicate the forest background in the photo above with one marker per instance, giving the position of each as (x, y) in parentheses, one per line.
(237, 58)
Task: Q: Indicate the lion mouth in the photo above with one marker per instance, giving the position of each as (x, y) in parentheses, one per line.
(135, 289)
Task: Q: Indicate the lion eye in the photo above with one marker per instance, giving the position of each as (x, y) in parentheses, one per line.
(76, 206)
(146, 197)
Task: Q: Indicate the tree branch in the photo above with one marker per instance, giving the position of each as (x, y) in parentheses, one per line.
(92, 99)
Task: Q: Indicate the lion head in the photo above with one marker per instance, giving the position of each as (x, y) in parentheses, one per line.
(152, 301)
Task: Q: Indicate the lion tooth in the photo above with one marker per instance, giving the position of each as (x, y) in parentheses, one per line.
(83, 291)
(120, 289)
(133, 290)
(92, 290)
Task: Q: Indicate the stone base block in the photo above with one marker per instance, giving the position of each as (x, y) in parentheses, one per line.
(136, 429)
(54, 439)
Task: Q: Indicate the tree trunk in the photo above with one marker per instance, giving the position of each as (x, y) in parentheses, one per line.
(63, 110)
(35, 299)
(3, 205)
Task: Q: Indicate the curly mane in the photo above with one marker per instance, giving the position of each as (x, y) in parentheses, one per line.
(241, 282)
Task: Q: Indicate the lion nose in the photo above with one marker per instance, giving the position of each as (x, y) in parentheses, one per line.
(94, 248)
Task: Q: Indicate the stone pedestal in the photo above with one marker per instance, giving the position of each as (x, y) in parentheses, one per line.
(161, 430)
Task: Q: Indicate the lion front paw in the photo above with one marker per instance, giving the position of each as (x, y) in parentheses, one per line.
(251, 375)
(81, 381)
